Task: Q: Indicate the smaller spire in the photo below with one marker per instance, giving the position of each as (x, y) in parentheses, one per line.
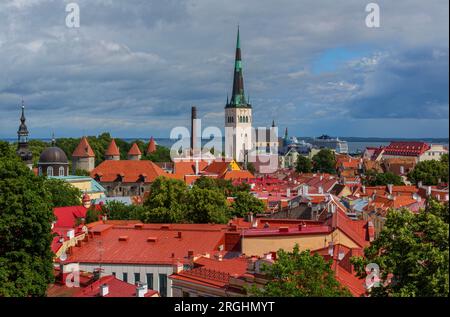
(273, 123)
(53, 139)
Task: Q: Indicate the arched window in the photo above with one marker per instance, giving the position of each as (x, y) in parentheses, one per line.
(61, 171)
(49, 171)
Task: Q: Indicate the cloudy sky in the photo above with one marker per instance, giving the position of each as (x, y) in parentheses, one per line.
(134, 68)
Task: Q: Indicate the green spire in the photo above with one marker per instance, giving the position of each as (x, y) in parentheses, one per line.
(238, 95)
(238, 42)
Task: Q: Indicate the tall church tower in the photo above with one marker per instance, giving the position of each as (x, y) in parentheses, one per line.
(22, 141)
(238, 115)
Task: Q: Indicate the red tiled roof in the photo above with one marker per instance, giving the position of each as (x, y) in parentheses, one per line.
(151, 146)
(112, 150)
(183, 168)
(242, 174)
(83, 149)
(116, 288)
(406, 148)
(165, 247)
(132, 171)
(218, 168)
(134, 150)
(66, 216)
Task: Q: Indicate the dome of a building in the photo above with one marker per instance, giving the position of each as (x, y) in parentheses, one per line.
(53, 155)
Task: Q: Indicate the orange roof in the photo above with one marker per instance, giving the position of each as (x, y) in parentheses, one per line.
(242, 174)
(151, 146)
(213, 273)
(148, 244)
(134, 150)
(183, 168)
(83, 149)
(218, 168)
(131, 171)
(112, 150)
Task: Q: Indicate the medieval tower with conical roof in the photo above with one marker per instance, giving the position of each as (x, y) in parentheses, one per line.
(238, 114)
(22, 141)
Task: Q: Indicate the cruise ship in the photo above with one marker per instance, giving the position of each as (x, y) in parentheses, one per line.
(325, 141)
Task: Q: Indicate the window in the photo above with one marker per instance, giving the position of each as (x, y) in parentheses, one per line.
(61, 171)
(125, 277)
(49, 171)
(114, 274)
(163, 285)
(137, 277)
(150, 280)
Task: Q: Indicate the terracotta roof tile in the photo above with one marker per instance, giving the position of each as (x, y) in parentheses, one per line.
(112, 150)
(83, 149)
(134, 150)
(132, 171)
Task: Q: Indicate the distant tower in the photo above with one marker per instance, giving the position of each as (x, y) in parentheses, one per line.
(112, 153)
(134, 154)
(238, 114)
(83, 158)
(194, 132)
(22, 141)
(151, 146)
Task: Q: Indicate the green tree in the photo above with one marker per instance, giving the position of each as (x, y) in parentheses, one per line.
(379, 179)
(429, 172)
(62, 193)
(245, 203)
(166, 202)
(80, 172)
(300, 274)
(224, 186)
(26, 215)
(303, 165)
(324, 162)
(162, 154)
(93, 214)
(116, 210)
(206, 206)
(412, 254)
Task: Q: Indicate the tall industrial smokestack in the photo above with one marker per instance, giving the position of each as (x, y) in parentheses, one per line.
(194, 131)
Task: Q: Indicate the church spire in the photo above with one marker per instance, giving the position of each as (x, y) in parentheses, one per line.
(238, 95)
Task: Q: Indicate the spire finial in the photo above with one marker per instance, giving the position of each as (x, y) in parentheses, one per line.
(53, 139)
(238, 42)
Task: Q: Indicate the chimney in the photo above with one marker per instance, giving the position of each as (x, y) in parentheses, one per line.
(288, 192)
(194, 130)
(141, 290)
(331, 248)
(179, 235)
(428, 190)
(196, 168)
(363, 189)
(190, 254)
(419, 184)
(104, 290)
(389, 186)
(250, 217)
(71, 234)
(178, 267)
(219, 256)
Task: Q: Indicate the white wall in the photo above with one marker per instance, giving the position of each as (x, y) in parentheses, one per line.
(119, 269)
